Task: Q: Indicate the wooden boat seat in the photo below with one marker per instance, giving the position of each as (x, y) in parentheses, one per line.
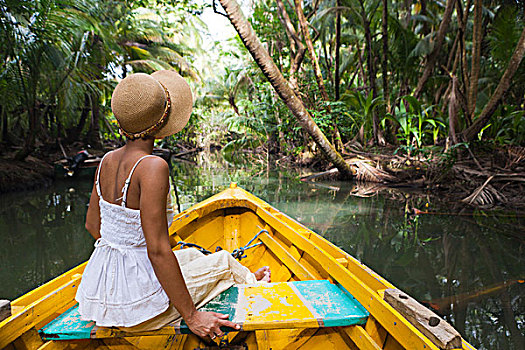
(301, 304)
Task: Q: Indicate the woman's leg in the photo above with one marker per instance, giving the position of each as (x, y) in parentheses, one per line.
(206, 276)
(185, 256)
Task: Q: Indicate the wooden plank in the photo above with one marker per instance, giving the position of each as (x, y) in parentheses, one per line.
(409, 336)
(54, 345)
(342, 261)
(262, 306)
(376, 331)
(262, 340)
(5, 309)
(286, 257)
(19, 304)
(119, 344)
(392, 344)
(231, 232)
(16, 325)
(199, 229)
(315, 268)
(439, 331)
(466, 345)
(30, 340)
(301, 338)
(283, 273)
(361, 338)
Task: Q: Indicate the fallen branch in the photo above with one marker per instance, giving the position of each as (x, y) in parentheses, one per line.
(484, 194)
(316, 175)
(193, 150)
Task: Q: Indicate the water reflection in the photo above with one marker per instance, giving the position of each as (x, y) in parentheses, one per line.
(469, 268)
(41, 235)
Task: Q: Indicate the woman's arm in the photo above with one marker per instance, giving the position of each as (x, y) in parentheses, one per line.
(154, 187)
(93, 214)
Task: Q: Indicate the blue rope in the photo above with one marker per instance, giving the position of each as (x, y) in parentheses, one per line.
(237, 253)
(192, 245)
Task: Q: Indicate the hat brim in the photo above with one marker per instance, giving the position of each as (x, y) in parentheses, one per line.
(181, 102)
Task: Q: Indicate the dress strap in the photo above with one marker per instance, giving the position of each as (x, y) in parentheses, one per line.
(128, 180)
(97, 182)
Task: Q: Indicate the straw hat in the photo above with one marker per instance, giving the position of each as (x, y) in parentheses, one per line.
(156, 105)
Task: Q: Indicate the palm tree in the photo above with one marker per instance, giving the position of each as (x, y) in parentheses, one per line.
(504, 84)
(272, 73)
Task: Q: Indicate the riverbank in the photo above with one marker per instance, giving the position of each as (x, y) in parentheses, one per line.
(37, 170)
(480, 176)
(477, 176)
(32, 173)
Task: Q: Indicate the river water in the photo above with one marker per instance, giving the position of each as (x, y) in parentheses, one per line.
(468, 267)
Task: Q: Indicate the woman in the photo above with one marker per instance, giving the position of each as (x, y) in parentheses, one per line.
(133, 280)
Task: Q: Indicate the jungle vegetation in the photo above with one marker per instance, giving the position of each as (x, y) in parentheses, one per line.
(419, 76)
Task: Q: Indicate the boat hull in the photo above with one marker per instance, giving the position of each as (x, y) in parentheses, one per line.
(230, 220)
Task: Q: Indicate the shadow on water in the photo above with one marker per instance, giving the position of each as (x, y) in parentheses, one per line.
(468, 268)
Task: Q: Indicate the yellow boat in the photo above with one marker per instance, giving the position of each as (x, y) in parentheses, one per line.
(285, 314)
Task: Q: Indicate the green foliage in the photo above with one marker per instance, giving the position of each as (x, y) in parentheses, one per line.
(416, 126)
(58, 56)
(506, 127)
(62, 57)
(504, 33)
(361, 107)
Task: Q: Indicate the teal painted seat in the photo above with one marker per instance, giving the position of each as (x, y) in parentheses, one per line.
(302, 304)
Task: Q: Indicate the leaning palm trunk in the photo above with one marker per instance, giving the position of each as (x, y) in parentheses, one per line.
(272, 73)
(503, 86)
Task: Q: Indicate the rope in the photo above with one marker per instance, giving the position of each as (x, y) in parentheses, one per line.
(237, 253)
(192, 245)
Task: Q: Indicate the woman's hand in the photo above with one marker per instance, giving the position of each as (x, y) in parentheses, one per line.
(209, 324)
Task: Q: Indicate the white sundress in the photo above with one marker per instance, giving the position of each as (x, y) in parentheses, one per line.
(119, 286)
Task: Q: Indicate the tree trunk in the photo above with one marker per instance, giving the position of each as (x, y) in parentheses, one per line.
(94, 129)
(453, 111)
(73, 134)
(432, 58)
(4, 124)
(476, 57)
(360, 65)
(272, 73)
(384, 63)
(463, 15)
(337, 48)
(295, 40)
(30, 137)
(337, 77)
(378, 136)
(310, 46)
(503, 86)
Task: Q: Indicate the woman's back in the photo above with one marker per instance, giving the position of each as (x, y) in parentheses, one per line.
(119, 286)
(117, 168)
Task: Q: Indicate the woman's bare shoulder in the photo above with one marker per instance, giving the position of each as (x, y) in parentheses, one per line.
(154, 169)
(153, 178)
(156, 163)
